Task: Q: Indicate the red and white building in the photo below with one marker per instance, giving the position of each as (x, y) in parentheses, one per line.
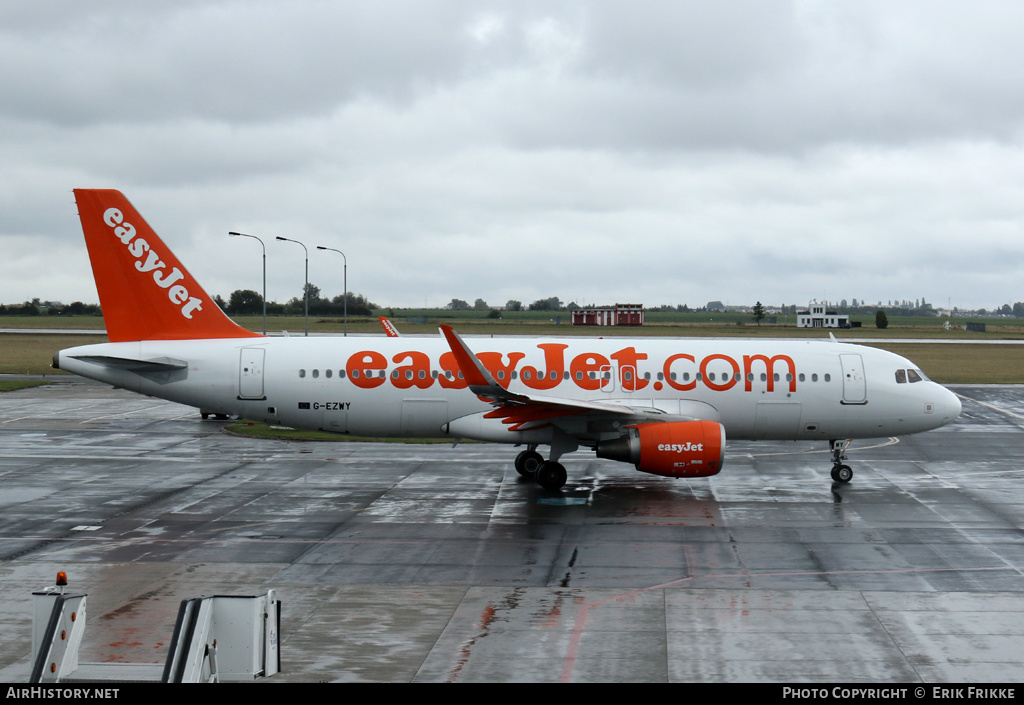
(619, 315)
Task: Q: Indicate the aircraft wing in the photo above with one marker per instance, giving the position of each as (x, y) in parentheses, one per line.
(521, 411)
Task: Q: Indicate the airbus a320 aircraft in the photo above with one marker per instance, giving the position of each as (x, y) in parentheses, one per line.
(664, 405)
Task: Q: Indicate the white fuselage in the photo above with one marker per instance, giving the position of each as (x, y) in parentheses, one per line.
(411, 386)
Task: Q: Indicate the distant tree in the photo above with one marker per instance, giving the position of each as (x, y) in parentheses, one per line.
(513, 305)
(881, 320)
(457, 305)
(480, 305)
(244, 301)
(758, 312)
(314, 292)
(25, 309)
(1018, 309)
(552, 304)
(358, 305)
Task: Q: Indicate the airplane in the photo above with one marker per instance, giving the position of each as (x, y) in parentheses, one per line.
(664, 405)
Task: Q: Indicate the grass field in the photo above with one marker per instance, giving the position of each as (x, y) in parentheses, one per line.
(30, 352)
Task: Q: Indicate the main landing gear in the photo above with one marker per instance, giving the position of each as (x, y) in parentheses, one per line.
(549, 474)
(840, 471)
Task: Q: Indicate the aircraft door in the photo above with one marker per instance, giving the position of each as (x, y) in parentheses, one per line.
(854, 383)
(250, 374)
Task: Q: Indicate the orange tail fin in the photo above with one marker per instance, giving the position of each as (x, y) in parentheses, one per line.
(145, 292)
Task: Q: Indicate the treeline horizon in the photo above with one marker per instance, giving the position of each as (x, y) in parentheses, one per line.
(242, 302)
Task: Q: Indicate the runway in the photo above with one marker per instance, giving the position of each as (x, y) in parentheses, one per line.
(427, 563)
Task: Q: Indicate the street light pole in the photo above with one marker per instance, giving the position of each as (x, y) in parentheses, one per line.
(234, 234)
(305, 290)
(344, 280)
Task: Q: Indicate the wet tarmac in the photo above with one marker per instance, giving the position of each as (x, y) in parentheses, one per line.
(409, 562)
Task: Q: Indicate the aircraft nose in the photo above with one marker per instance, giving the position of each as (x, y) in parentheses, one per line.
(951, 406)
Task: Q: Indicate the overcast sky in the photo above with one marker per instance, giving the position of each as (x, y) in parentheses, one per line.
(657, 152)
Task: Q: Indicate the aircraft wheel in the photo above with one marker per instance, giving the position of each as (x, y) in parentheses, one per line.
(527, 463)
(551, 475)
(204, 414)
(842, 473)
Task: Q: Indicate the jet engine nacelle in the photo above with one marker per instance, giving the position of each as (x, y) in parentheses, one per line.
(674, 449)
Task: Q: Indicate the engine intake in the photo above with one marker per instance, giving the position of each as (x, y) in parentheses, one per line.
(674, 449)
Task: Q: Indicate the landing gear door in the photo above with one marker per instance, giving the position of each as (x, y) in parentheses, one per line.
(250, 374)
(854, 384)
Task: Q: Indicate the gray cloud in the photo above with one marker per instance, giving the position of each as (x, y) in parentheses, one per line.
(669, 152)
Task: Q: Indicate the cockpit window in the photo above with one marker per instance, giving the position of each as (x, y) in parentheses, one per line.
(904, 376)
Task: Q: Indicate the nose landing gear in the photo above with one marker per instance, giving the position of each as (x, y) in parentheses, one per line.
(840, 471)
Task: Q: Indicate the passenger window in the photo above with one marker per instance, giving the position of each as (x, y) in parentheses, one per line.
(828, 378)
(328, 373)
(814, 377)
(302, 374)
(341, 374)
(901, 376)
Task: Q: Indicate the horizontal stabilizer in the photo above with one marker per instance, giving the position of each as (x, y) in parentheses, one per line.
(160, 364)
